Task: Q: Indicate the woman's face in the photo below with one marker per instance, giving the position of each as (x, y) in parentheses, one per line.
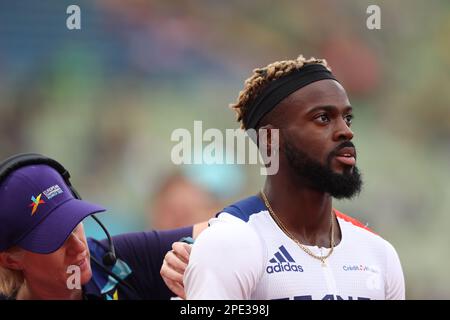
(51, 271)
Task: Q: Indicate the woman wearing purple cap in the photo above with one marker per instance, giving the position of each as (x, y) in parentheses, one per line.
(44, 252)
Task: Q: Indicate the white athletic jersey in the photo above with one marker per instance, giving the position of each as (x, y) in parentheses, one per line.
(245, 255)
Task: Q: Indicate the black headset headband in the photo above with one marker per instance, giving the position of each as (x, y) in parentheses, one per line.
(26, 159)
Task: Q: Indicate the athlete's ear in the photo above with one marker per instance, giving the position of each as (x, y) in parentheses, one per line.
(268, 139)
(269, 144)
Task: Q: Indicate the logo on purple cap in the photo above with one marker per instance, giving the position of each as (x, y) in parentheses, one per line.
(52, 191)
(36, 202)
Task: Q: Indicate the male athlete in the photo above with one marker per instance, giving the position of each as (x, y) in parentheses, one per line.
(288, 242)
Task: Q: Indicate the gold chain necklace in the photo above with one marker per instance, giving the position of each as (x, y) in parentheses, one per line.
(305, 249)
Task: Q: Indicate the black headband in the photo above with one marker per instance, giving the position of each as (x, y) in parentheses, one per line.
(280, 88)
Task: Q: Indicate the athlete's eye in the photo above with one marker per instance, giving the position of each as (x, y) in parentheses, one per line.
(349, 118)
(322, 118)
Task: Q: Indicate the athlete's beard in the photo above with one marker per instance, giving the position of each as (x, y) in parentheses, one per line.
(321, 177)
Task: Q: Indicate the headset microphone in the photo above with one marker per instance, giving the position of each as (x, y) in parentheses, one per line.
(109, 259)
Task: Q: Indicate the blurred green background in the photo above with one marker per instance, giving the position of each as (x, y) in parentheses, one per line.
(105, 99)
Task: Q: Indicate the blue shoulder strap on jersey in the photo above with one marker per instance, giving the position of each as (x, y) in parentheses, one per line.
(188, 240)
(243, 209)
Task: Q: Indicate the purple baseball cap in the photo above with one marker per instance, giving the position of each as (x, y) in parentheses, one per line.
(38, 211)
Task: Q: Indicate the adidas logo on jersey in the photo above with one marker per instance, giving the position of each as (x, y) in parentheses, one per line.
(283, 262)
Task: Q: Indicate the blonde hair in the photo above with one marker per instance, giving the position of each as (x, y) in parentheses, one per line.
(10, 280)
(261, 78)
